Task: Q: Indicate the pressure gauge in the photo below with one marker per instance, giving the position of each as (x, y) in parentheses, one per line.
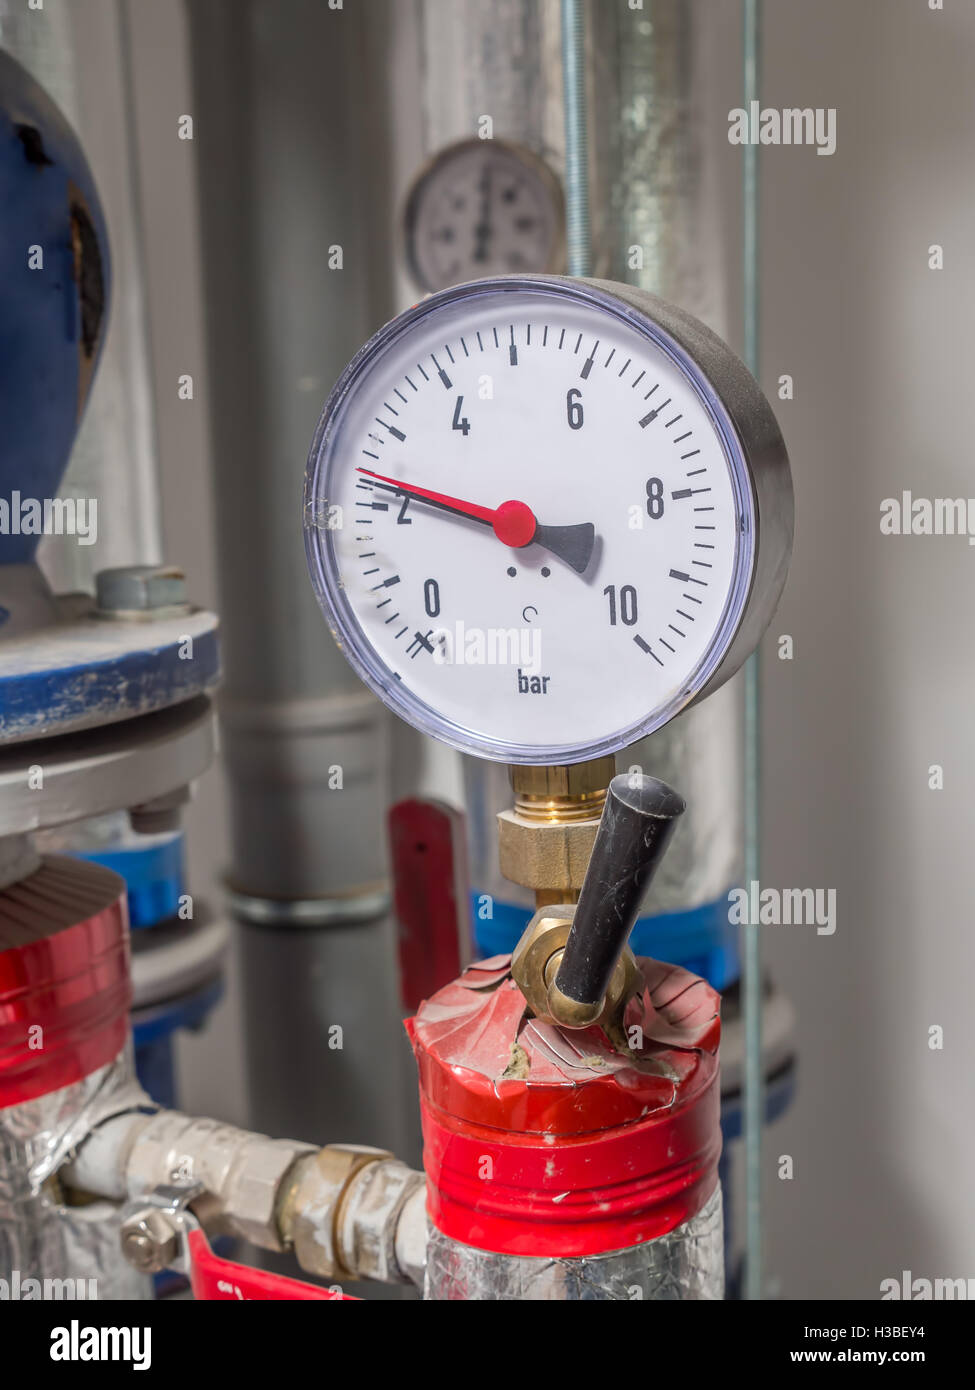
(544, 515)
(482, 207)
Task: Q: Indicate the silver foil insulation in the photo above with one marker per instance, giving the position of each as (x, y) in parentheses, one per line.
(687, 1263)
(49, 1249)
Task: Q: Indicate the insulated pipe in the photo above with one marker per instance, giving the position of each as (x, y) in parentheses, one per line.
(65, 1066)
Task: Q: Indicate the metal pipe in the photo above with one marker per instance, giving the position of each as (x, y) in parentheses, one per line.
(578, 234)
(295, 240)
(754, 1089)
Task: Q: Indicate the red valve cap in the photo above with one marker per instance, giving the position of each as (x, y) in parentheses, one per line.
(540, 1140)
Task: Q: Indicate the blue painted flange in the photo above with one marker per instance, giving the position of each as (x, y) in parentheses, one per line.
(92, 672)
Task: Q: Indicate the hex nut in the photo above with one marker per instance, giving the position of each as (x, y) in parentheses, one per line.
(149, 1240)
(545, 855)
(546, 934)
(564, 780)
(133, 590)
(252, 1197)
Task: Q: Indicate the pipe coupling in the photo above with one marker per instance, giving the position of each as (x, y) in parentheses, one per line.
(342, 1212)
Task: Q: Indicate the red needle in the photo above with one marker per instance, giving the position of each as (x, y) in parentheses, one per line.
(514, 523)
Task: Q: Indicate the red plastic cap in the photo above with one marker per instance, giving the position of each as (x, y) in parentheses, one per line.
(65, 990)
(542, 1141)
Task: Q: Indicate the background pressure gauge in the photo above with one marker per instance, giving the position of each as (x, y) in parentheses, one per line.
(544, 515)
(483, 207)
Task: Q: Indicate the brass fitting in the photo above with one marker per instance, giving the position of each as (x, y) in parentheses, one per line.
(309, 1214)
(535, 964)
(546, 840)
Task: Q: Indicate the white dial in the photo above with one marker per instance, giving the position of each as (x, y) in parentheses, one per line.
(530, 520)
(483, 207)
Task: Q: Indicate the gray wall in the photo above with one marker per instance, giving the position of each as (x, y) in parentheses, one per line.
(880, 686)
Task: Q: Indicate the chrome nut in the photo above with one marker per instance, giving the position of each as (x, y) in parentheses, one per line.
(150, 1240)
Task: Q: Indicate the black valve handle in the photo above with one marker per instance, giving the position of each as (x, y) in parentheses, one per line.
(638, 820)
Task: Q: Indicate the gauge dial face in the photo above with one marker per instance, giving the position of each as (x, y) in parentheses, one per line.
(483, 207)
(528, 521)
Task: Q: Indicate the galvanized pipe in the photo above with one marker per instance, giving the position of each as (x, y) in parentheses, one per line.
(578, 233)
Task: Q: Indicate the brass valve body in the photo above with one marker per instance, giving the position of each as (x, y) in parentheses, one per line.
(535, 964)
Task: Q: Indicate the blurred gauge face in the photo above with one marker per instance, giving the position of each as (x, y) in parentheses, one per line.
(483, 207)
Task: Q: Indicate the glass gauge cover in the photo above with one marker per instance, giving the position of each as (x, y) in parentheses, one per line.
(543, 515)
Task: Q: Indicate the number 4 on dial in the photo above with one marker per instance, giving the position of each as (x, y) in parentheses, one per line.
(461, 422)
